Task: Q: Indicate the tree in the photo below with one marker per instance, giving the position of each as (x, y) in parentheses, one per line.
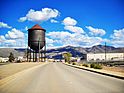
(67, 56)
(11, 57)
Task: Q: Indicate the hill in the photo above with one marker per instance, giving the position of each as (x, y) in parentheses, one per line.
(57, 52)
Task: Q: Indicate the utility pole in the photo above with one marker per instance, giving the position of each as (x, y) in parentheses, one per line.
(94, 55)
(105, 51)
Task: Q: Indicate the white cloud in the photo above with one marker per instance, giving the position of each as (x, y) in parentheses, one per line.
(96, 31)
(14, 34)
(2, 38)
(4, 25)
(118, 34)
(50, 41)
(22, 19)
(75, 39)
(26, 28)
(53, 21)
(68, 21)
(70, 24)
(58, 35)
(13, 42)
(117, 38)
(14, 38)
(40, 16)
(74, 29)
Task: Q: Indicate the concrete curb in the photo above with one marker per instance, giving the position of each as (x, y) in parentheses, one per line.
(99, 72)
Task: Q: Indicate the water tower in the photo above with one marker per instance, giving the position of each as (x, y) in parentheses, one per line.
(36, 44)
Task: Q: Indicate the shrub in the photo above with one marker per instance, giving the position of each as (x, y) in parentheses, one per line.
(96, 66)
(11, 57)
(111, 65)
(73, 63)
(92, 65)
(86, 65)
(80, 64)
(18, 61)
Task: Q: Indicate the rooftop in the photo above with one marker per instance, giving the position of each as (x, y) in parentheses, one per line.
(36, 27)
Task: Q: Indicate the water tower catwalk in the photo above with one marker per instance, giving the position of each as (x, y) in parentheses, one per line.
(36, 50)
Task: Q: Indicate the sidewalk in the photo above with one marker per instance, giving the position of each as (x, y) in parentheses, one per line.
(100, 71)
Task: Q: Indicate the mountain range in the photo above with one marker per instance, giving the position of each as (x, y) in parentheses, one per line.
(57, 52)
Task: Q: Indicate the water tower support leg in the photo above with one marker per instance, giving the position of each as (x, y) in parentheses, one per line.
(33, 55)
(27, 54)
(30, 55)
(39, 50)
(45, 53)
(41, 56)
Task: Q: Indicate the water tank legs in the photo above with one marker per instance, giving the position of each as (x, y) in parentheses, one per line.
(45, 52)
(30, 56)
(39, 50)
(27, 53)
(33, 55)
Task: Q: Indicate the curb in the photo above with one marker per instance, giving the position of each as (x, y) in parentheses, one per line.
(103, 73)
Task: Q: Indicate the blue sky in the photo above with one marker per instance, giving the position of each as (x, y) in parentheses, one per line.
(81, 23)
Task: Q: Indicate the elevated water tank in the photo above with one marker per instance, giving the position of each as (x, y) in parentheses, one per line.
(36, 37)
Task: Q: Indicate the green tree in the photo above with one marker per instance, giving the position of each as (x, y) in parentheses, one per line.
(11, 57)
(67, 56)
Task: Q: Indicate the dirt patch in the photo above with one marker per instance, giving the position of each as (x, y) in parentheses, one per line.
(12, 68)
(115, 69)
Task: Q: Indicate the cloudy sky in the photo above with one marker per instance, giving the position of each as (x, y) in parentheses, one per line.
(83, 23)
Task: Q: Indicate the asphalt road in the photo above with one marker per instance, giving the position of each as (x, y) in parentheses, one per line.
(60, 78)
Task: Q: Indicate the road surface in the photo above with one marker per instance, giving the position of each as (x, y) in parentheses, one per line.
(60, 78)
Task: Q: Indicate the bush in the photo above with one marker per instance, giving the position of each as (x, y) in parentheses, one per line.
(86, 65)
(96, 66)
(73, 63)
(80, 64)
(92, 65)
(11, 57)
(18, 61)
(111, 65)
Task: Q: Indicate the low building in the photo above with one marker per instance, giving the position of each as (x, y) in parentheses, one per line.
(50, 60)
(20, 59)
(103, 56)
(4, 59)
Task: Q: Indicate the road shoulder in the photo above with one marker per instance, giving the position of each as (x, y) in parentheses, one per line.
(13, 76)
(103, 72)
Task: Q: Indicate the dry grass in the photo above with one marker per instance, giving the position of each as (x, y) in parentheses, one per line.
(12, 68)
(115, 69)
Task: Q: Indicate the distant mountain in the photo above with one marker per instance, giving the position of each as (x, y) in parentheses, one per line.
(4, 52)
(79, 51)
(100, 49)
(57, 52)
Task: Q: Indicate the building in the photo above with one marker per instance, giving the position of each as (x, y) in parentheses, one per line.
(103, 56)
(4, 59)
(20, 59)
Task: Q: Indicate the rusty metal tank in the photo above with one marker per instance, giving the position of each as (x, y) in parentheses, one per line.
(36, 37)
